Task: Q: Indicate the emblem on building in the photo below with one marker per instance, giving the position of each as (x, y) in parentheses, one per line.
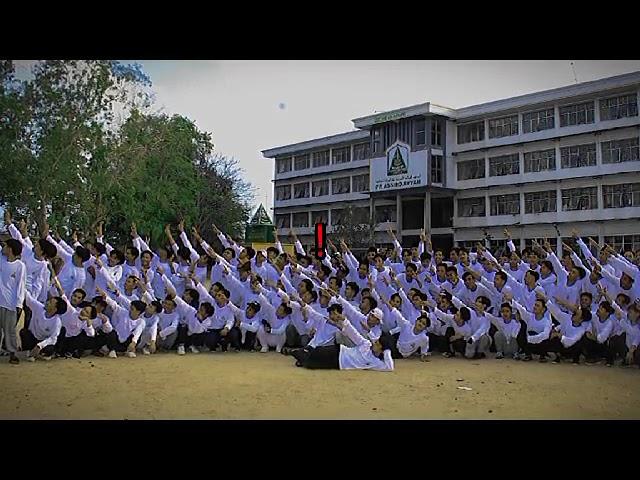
(398, 159)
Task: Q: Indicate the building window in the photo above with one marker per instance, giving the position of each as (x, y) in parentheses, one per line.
(321, 159)
(580, 199)
(385, 213)
(340, 185)
(617, 151)
(540, 161)
(469, 244)
(578, 156)
(436, 168)
(302, 162)
(472, 207)
(336, 216)
(619, 107)
(321, 188)
(301, 190)
(541, 202)
(436, 132)
(621, 196)
(623, 243)
(283, 192)
(505, 204)
(470, 169)
(503, 127)
(538, 121)
(504, 165)
(341, 155)
(300, 219)
(471, 132)
(361, 215)
(421, 132)
(320, 216)
(361, 183)
(283, 220)
(578, 114)
(376, 136)
(283, 165)
(361, 151)
(403, 131)
(553, 241)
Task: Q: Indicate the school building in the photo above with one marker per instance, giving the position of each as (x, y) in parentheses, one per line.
(540, 164)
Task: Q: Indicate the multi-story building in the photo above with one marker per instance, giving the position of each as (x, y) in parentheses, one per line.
(540, 164)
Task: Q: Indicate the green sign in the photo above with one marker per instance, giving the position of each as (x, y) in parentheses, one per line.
(389, 116)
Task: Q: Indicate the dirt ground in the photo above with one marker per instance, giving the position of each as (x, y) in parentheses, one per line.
(269, 386)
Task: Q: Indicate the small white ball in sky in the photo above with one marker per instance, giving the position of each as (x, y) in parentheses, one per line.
(282, 106)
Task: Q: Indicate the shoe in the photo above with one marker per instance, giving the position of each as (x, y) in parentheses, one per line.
(130, 354)
(264, 349)
(608, 364)
(46, 358)
(31, 359)
(4, 353)
(104, 349)
(543, 360)
(447, 355)
(482, 355)
(99, 353)
(204, 349)
(181, 350)
(194, 349)
(526, 358)
(113, 354)
(499, 355)
(14, 360)
(278, 349)
(145, 351)
(556, 360)
(516, 356)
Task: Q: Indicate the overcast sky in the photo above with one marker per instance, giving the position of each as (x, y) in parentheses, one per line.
(239, 102)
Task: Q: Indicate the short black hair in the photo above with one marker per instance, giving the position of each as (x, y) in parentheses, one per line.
(48, 249)
(452, 269)
(118, 254)
(535, 274)
(148, 252)
(287, 309)
(195, 294)
(100, 248)
(139, 305)
(372, 301)
(326, 270)
(99, 301)
(61, 306)
(314, 295)
(425, 256)
(587, 294)
(586, 314)
(83, 253)
(233, 252)
(411, 266)
(581, 272)
(184, 253)
(273, 250)
(15, 246)
(80, 291)
(353, 286)
(157, 305)
(502, 275)
(208, 308)
(548, 264)
(444, 265)
(336, 307)
(484, 300)
(338, 281)
(133, 251)
(466, 275)
(307, 283)
(465, 314)
(255, 306)
(506, 305)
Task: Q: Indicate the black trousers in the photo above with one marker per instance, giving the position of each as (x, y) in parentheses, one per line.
(232, 338)
(438, 342)
(457, 346)
(319, 358)
(609, 349)
(114, 343)
(492, 331)
(249, 341)
(294, 339)
(29, 342)
(555, 345)
(393, 344)
(73, 345)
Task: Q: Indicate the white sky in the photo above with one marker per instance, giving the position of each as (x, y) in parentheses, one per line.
(238, 101)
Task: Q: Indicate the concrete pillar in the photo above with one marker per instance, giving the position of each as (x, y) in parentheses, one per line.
(399, 217)
(427, 211)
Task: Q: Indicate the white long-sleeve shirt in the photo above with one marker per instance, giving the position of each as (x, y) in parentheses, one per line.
(325, 332)
(168, 323)
(361, 357)
(542, 326)
(45, 329)
(38, 274)
(72, 324)
(510, 329)
(123, 324)
(13, 283)
(408, 340)
(602, 329)
(571, 333)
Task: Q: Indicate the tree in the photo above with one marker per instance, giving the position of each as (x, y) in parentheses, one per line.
(356, 226)
(225, 198)
(59, 120)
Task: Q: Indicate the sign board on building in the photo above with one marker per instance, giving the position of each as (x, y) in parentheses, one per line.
(400, 168)
(387, 117)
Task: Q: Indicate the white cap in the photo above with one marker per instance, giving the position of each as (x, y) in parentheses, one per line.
(376, 312)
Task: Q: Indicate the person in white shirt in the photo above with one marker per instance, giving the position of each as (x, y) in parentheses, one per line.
(535, 327)
(13, 288)
(566, 339)
(273, 325)
(168, 322)
(365, 355)
(77, 332)
(128, 325)
(40, 336)
(413, 337)
(507, 328)
(598, 341)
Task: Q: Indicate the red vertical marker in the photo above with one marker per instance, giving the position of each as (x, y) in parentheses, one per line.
(321, 237)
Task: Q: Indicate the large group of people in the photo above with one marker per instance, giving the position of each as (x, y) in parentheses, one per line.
(338, 311)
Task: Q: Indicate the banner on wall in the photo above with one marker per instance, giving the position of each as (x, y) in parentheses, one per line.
(399, 169)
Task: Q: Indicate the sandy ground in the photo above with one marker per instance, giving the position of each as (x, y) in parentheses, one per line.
(268, 386)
